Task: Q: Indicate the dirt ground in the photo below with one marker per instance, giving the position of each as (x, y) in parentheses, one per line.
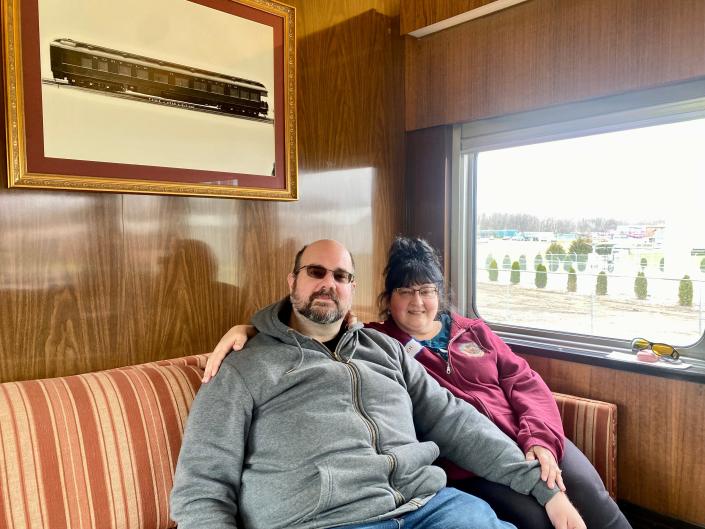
(588, 313)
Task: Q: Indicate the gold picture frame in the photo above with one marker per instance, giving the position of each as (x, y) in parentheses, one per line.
(103, 96)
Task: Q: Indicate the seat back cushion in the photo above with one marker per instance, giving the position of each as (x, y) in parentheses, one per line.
(96, 450)
(592, 426)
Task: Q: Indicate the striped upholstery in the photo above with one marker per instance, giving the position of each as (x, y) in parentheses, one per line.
(592, 426)
(98, 451)
(95, 450)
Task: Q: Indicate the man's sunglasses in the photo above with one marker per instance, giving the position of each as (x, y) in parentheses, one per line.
(659, 349)
(319, 272)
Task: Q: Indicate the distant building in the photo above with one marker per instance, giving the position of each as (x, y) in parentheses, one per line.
(543, 236)
(639, 236)
(498, 234)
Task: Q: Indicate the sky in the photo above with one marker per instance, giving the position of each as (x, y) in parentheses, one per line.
(638, 175)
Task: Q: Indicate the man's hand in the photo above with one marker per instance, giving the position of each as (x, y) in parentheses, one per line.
(562, 513)
(234, 340)
(550, 471)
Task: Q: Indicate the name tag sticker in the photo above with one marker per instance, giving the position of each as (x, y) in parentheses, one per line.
(413, 347)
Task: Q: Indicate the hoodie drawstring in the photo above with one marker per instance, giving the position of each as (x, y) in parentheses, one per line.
(356, 342)
(301, 352)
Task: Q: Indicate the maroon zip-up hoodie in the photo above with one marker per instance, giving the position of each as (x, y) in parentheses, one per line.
(484, 371)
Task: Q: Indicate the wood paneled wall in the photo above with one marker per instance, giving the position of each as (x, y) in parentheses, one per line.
(416, 14)
(661, 429)
(546, 52)
(427, 199)
(91, 281)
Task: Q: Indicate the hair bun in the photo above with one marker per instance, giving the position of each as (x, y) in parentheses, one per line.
(411, 248)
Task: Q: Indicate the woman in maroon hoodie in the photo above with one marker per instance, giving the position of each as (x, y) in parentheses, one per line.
(474, 364)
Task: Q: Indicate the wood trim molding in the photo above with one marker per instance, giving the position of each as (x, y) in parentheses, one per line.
(478, 12)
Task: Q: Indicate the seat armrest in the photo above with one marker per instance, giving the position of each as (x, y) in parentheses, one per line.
(592, 426)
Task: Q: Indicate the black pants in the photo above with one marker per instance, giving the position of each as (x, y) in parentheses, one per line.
(583, 486)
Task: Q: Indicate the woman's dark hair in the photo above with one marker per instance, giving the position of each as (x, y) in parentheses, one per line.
(411, 261)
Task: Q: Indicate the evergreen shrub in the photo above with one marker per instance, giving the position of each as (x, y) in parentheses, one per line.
(640, 286)
(572, 285)
(515, 276)
(601, 285)
(541, 278)
(494, 273)
(685, 292)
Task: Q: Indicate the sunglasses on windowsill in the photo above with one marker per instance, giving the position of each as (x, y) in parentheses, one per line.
(662, 350)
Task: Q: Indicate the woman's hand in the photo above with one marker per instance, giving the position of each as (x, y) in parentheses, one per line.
(550, 471)
(234, 340)
(562, 513)
(350, 319)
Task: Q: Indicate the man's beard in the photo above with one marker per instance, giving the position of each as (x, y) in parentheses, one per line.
(318, 313)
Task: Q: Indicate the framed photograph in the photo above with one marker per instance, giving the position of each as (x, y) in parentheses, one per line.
(178, 97)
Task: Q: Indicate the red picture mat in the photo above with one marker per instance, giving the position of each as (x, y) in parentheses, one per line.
(37, 163)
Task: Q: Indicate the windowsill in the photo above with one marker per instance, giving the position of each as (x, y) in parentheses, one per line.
(695, 373)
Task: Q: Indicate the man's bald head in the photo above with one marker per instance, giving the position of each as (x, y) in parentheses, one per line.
(324, 243)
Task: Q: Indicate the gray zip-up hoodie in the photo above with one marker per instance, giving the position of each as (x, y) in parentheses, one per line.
(291, 434)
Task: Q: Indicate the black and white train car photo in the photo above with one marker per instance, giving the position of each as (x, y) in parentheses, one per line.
(138, 77)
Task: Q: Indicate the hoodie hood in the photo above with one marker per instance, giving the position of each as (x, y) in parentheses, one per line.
(270, 321)
(273, 321)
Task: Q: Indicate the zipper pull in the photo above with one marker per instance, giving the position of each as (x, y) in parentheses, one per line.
(448, 369)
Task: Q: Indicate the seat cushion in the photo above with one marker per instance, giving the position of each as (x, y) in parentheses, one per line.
(94, 450)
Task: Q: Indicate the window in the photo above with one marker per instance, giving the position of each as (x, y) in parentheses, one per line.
(125, 69)
(142, 73)
(161, 77)
(199, 85)
(87, 62)
(217, 89)
(181, 81)
(586, 223)
(102, 65)
(234, 92)
(74, 58)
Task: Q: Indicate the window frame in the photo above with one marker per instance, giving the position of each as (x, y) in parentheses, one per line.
(661, 105)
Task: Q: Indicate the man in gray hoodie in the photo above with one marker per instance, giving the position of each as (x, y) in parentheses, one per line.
(315, 426)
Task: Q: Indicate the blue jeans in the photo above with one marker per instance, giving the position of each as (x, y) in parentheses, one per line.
(449, 509)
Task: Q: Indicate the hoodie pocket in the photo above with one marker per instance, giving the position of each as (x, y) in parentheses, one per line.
(285, 499)
(414, 474)
(325, 489)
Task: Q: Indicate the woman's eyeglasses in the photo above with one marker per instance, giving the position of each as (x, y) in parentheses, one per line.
(659, 349)
(319, 272)
(424, 292)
